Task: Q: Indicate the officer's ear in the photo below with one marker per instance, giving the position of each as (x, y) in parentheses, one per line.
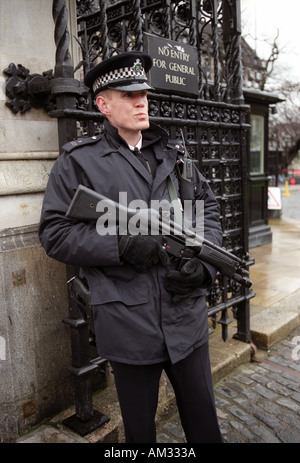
(102, 101)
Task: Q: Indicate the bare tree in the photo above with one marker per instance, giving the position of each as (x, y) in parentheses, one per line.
(261, 69)
(268, 64)
(286, 124)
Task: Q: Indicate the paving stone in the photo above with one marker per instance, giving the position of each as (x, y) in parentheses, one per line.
(243, 379)
(234, 438)
(279, 360)
(51, 435)
(259, 378)
(164, 438)
(288, 403)
(261, 368)
(267, 419)
(242, 401)
(265, 434)
(274, 368)
(248, 371)
(279, 379)
(295, 366)
(289, 436)
(294, 386)
(227, 392)
(240, 389)
(225, 428)
(264, 392)
(242, 415)
(289, 376)
(240, 427)
(275, 387)
(174, 430)
(268, 406)
(219, 400)
(296, 397)
(289, 419)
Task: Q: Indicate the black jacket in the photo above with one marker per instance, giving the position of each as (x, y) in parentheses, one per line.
(135, 319)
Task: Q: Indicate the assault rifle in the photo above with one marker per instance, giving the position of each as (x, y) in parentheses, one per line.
(180, 242)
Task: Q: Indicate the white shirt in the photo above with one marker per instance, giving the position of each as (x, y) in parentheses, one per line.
(138, 145)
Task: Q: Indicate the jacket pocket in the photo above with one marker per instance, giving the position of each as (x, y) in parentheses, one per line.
(130, 293)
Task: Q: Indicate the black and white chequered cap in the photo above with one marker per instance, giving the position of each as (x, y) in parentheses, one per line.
(125, 72)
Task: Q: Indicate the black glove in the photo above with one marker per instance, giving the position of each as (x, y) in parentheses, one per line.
(142, 251)
(192, 275)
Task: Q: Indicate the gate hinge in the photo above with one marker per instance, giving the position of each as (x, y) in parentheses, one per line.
(26, 91)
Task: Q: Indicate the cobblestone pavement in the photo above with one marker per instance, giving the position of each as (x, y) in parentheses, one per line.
(258, 402)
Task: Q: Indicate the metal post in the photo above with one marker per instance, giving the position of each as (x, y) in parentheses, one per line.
(86, 419)
(63, 73)
(65, 88)
(232, 43)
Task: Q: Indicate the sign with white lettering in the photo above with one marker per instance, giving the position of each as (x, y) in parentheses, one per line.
(174, 67)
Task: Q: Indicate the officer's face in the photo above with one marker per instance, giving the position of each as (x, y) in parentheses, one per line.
(128, 111)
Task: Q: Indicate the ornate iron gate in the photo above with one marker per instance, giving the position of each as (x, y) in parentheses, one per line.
(213, 121)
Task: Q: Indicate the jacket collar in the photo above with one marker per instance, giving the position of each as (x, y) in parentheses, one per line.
(151, 135)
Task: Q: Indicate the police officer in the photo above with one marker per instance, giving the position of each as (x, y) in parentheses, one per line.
(149, 316)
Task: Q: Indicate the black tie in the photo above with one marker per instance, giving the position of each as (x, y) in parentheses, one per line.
(142, 158)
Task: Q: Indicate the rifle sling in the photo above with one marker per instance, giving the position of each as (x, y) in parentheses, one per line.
(175, 201)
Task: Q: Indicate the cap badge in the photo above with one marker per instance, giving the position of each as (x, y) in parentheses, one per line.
(137, 66)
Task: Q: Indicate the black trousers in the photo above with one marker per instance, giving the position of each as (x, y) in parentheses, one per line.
(138, 386)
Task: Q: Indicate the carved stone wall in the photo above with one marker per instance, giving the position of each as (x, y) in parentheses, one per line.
(34, 344)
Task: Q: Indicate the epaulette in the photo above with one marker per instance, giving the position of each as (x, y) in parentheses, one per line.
(176, 144)
(68, 147)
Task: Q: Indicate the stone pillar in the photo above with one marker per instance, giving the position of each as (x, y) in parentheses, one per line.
(34, 343)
